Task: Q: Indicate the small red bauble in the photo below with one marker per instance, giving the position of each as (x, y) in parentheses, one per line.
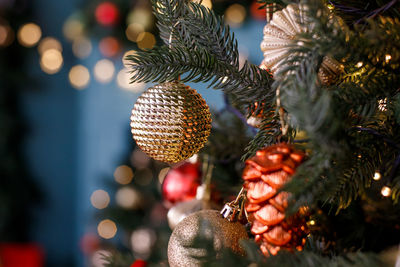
(180, 184)
(256, 12)
(139, 263)
(107, 14)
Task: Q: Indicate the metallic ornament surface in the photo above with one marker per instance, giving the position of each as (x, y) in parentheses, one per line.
(279, 34)
(170, 122)
(200, 238)
(264, 175)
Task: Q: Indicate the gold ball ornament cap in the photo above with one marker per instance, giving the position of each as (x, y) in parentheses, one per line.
(170, 122)
(201, 238)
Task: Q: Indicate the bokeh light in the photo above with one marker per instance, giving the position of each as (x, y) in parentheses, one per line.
(6, 35)
(104, 70)
(109, 46)
(162, 174)
(386, 191)
(51, 61)
(142, 16)
(146, 40)
(128, 198)
(107, 229)
(49, 43)
(126, 62)
(107, 14)
(377, 176)
(29, 34)
(235, 15)
(82, 47)
(124, 81)
(123, 174)
(139, 159)
(73, 27)
(133, 30)
(142, 241)
(100, 199)
(79, 77)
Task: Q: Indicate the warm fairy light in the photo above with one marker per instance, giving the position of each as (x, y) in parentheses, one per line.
(311, 222)
(126, 62)
(123, 174)
(146, 40)
(359, 64)
(162, 174)
(128, 198)
(386, 191)
(51, 61)
(377, 176)
(206, 3)
(29, 34)
(104, 70)
(73, 28)
(109, 46)
(79, 76)
(107, 229)
(124, 81)
(133, 30)
(100, 199)
(382, 104)
(235, 15)
(49, 43)
(140, 16)
(82, 47)
(388, 58)
(142, 240)
(6, 35)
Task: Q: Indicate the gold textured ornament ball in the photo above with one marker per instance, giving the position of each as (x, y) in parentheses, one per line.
(170, 122)
(200, 239)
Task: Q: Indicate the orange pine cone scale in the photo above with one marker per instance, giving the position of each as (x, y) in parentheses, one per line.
(264, 175)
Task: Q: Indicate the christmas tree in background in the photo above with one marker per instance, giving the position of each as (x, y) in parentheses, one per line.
(321, 179)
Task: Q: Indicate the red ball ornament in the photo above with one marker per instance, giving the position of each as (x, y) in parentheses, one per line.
(139, 263)
(256, 12)
(107, 14)
(180, 183)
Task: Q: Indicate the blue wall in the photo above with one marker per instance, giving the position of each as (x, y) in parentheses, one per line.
(77, 138)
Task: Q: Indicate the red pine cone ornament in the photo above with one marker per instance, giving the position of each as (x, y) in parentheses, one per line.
(264, 175)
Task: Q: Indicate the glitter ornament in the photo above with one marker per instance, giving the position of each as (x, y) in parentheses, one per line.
(202, 237)
(170, 122)
(278, 36)
(264, 175)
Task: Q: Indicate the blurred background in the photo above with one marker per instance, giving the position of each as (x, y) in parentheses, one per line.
(72, 181)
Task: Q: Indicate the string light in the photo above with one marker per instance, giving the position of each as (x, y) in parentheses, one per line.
(311, 222)
(141, 16)
(6, 35)
(73, 28)
(142, 240)
(107, 229)
(133, 30)
(29, 34)
(128, 198)
(206, 3)
(81, 47)
(382, 104)
(49, 43)
(359, 64)
(123, 174)
(377, 176)
(104, 70)
(100, 199)
(51, 61)
(388, 58)
(109, 46)
(235, 15)
(386, 191)
(79, 77)
(124, 82)
(146, 40)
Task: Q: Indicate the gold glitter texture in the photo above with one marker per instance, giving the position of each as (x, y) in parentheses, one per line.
(183, 250)
(170, 122)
